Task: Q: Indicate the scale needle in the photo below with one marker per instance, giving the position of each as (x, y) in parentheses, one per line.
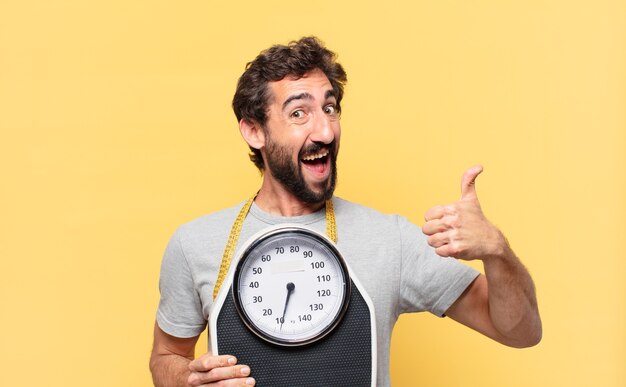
(290, 288)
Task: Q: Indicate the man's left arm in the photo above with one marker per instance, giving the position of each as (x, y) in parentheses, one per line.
(501, 304)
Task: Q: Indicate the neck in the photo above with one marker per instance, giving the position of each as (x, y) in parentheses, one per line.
(276, 200)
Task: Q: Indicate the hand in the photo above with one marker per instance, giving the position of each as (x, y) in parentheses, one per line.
(209, 370)
(460, 229)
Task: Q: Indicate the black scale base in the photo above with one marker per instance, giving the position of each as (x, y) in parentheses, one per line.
(342, 358)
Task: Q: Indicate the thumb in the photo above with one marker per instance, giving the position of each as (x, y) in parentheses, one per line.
(468, 187)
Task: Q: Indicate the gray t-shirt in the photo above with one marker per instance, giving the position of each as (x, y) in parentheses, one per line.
(388, 254)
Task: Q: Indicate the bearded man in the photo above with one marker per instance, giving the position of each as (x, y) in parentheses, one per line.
(288, 105)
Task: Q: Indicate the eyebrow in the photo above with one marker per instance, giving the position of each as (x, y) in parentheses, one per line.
(305, 95)
(295, 98)
(330, 93)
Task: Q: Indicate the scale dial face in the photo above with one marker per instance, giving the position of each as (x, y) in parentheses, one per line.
(291, 286)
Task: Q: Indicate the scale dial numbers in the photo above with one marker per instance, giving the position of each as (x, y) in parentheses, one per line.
(291, 287)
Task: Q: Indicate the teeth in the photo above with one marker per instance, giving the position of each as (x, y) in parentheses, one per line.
(315, 156)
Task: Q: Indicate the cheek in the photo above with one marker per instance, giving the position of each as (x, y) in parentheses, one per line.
(297, 141)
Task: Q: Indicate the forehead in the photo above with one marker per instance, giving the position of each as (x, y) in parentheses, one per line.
(314, 83)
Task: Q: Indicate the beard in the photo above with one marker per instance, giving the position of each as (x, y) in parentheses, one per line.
(289, 174)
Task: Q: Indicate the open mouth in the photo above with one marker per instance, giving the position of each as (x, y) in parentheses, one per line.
(317, 162)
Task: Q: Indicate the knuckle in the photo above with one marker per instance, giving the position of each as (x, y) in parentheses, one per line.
(455, 249)
(451, 209)
(212, 375)
(196, 378)
(433, 213)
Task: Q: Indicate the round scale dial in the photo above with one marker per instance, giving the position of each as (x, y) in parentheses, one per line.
(291, 286)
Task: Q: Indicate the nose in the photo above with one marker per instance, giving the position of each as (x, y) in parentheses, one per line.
(324, 129)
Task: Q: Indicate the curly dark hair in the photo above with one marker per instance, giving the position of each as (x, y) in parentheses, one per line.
(252, 96)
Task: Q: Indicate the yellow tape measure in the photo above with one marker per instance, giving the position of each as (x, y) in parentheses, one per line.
(229, 250)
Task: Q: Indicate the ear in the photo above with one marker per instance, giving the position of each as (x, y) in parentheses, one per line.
(252, 133)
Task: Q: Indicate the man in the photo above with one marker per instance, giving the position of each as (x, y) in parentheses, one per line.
(288, 104)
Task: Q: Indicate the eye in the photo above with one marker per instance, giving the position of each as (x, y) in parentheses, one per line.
(297, 113)
(330, 109)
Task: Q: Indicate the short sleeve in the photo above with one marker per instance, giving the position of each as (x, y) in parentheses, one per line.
(180, 310)
(429, 282)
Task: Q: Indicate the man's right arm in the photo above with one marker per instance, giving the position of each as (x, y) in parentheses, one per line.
(172, 364)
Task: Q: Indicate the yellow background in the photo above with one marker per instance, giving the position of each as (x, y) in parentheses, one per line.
(116, 128)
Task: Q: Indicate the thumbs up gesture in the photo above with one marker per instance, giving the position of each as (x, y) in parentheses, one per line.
(460, 229)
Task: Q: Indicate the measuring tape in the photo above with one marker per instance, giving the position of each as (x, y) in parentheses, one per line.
(229, 250)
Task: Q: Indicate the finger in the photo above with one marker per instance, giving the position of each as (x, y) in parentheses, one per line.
(434, 213)
(219, 374)
(434, 226)
(444, 251)
(207, 363)
(438, 240)
(468, 182)
(239, 382)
